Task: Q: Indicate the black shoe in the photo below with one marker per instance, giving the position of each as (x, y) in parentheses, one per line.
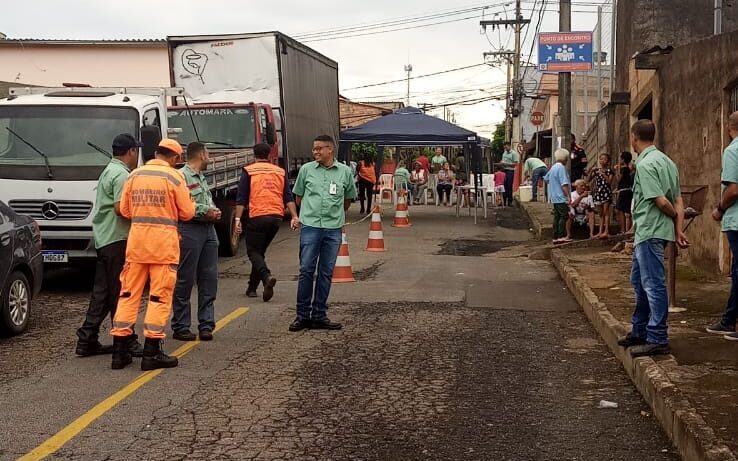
(206, 335)
(299, 325)
(325, 324)
(251, 293)
(134, 347)
(269, 289)
(121, 353)
(155, 358)
(90, 349)
(184, 335)
(720, 329)
(649, 349)
(629, 340)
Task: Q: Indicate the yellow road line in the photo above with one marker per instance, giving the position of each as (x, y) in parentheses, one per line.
(59, 439)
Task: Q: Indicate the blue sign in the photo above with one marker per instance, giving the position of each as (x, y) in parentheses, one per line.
(565, 52)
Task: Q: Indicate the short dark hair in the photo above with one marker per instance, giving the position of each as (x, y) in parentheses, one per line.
(163, 151)
(262, 150)
(325, 138)
(194, 149)
(506, 143)
(118, 151)
(626, 156)
(644, 130)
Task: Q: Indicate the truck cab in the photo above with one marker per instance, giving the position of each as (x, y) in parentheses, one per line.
(48, 165)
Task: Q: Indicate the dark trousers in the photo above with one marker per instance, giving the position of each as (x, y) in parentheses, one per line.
(260, 232)
(561, 214)
(198, 263)
(444, 189)
(731, 309)
(366, 191)
(509, 180)
(105, 292)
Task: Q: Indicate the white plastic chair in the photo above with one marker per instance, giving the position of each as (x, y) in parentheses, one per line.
(387, 183)
(433, 188)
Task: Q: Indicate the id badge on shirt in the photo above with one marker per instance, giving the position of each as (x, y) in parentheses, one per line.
(333, 189)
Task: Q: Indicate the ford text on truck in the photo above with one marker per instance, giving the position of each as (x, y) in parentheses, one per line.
(52, 151)
(284, 85)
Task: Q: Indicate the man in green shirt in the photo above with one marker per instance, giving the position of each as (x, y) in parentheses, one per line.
(509, 162)
(437, 160)
(110, 231)
(658, 216)
(727, 213)
(535, 169)
(198, 253)
(323, 191)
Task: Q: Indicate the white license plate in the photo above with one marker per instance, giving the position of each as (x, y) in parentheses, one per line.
(56, 257)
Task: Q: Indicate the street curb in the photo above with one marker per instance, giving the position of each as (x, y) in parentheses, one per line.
(693, 437)
(540, 230)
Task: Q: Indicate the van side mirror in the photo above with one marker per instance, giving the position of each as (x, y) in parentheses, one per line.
(271, 135)
(150, 137)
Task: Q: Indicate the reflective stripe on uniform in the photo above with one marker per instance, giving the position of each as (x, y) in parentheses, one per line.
(119, 324)
(153, 220)
(154, 328)
(159, 174)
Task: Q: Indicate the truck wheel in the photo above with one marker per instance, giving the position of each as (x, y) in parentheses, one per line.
(15, 304)
(226, 230)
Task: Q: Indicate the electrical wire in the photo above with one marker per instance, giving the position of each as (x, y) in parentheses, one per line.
(416, 77)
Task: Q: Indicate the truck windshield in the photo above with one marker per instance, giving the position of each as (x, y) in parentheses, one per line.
(222, 126)
(62, 133)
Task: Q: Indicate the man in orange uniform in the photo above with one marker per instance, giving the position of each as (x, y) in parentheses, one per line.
(155, 198)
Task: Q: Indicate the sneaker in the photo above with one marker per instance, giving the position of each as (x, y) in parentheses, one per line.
(184, 335)
(649, 349)
(90, 349)
(269, 289)
(206, 335)
(629, 340)
(325, 324)
(720, 329)
(731, 336)
(299, 324)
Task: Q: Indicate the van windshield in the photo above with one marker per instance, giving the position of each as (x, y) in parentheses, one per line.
(62, 133)
(229, 127)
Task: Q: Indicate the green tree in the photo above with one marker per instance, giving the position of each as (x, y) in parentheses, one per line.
(361, 150)
(498, 141)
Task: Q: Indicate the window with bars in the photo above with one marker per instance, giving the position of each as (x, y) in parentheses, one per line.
(733, 99)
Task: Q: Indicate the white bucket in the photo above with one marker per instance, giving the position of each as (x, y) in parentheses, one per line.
(526, 193)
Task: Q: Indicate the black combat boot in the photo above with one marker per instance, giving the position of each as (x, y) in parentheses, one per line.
(121, 352)
(154, 357)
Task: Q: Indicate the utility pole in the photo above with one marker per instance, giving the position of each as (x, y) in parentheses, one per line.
(515, 87)
(506, 56)
(564, 80)
(613, 36)
(599, 59)
(408, 69)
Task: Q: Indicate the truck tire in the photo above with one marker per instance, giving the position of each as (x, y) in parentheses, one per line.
(226, 230)
(15, 304)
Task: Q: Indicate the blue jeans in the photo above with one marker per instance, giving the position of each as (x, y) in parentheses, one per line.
(509, 181)
(198, 263)
(731, 309)
(648, 278)
(318, 249)
(537, 175)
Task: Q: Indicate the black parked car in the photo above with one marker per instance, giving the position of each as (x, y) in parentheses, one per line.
(21, 269)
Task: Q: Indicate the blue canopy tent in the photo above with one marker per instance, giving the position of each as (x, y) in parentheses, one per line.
(410, 127)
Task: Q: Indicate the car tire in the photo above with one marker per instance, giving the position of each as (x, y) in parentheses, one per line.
(226, 230)
(15, 304)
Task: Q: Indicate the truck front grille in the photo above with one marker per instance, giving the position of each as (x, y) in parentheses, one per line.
(49, 210)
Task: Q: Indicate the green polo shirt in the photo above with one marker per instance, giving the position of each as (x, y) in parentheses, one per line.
(199, 190)
(656, 176)
(402, 175)
(319, 208)
(534, 163)
(107, 226)
(510, 156)
(728, 176)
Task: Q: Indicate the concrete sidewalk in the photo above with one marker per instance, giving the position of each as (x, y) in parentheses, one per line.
(694, 392)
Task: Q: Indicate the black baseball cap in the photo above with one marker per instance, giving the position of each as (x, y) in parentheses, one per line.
(126, 141)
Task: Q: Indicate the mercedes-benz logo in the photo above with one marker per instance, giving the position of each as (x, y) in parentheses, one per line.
(50, 210)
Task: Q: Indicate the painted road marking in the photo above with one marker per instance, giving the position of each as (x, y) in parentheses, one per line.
(78, 425)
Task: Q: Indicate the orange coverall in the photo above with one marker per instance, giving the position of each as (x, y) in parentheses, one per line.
(155, 198)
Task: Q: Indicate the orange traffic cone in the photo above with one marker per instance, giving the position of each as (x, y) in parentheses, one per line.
(402, 218)
(376, 235)
(342, 272)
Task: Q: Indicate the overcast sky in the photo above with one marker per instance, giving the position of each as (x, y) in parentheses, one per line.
(362, 60)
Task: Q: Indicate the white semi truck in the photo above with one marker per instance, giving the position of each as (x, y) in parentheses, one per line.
(54, 143)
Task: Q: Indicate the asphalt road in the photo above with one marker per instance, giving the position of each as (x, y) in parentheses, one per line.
(456, 347)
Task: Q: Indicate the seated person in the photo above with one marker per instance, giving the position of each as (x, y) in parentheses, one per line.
(402, 179)
(419, 181)
(445, 184)
(582, 209)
